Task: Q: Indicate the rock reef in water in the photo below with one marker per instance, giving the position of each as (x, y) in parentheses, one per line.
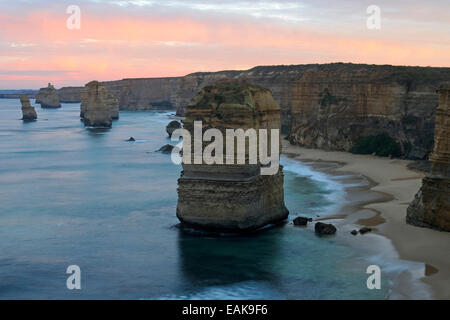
(95, 91)
(225, 197)
(28, 112)
(431, 206)
(98, 107)
(171, 127)
(48, 97)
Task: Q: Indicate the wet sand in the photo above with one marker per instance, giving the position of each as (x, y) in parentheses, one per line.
(392, 186)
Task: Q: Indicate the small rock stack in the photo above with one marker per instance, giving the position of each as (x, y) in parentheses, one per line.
(48, 97)
(98, 106)
(28, 112)
(431, 206)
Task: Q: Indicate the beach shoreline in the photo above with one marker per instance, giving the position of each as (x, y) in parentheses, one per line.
(391, 187)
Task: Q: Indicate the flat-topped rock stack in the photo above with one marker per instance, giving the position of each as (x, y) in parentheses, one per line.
(431, 206)
(231, 197)
(98, 106)
(48, 97)
(28, 112)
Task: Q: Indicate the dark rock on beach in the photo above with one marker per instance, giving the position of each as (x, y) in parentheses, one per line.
(365, 230)
(301, 221)
(324, 228)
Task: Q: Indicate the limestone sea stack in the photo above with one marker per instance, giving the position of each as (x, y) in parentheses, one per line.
(95, 107)
(431, 206)
(111, 103)
(48, 97)
(231, 197)
(28, 112)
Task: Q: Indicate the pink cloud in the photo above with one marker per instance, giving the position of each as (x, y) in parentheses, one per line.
(117, 47)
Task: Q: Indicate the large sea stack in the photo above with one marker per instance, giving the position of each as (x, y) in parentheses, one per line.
(96, 89)
(231, 197)
(48, 97)
(431, 206)
(28, 112)
(98, 107)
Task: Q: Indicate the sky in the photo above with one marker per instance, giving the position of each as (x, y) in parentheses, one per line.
(143, 38)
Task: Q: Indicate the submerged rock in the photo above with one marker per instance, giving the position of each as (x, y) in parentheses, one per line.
(302, 221)
(131, 139)
(231, 197)
(431, 206)
(354, 232)
(48, 97)
(324, 228)
(166, 149)
(28, 112)
(171, 127)
(365, 230)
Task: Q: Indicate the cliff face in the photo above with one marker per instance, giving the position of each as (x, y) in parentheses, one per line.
(431, 206)
(231, 197)
(28, 112)
(70, 94)
(48, 97)
(326, 106)
(144, 94)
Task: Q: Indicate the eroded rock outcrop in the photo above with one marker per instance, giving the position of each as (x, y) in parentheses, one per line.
(28, 112)
(48, 97)
(231, 197)
(172, 126)
(98, 107)
(431, 206)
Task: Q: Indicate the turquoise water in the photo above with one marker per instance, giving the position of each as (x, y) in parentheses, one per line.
(73, 196)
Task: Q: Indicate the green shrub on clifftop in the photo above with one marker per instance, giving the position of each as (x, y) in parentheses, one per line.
(382, 145)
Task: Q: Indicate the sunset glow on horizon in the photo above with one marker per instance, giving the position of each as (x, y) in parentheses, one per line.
(133, 39)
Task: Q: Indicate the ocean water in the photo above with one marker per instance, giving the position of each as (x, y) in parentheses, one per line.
(74, 196)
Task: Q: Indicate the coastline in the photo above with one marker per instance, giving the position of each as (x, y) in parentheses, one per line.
(382, 204)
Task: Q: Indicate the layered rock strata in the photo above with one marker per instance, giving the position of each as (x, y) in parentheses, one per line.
(98, 107)
(28, 112)
(48, 97)
(327, 106)
(231, 197)
(431, 206)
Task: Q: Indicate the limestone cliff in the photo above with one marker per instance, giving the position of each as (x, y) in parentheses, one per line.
(70, 94)
(231, 197)
(48, 97)
(98, 106)
(431, 206)
(28, 112)
(327, 106)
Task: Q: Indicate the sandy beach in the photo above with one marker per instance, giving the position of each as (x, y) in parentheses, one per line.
(395, 186)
